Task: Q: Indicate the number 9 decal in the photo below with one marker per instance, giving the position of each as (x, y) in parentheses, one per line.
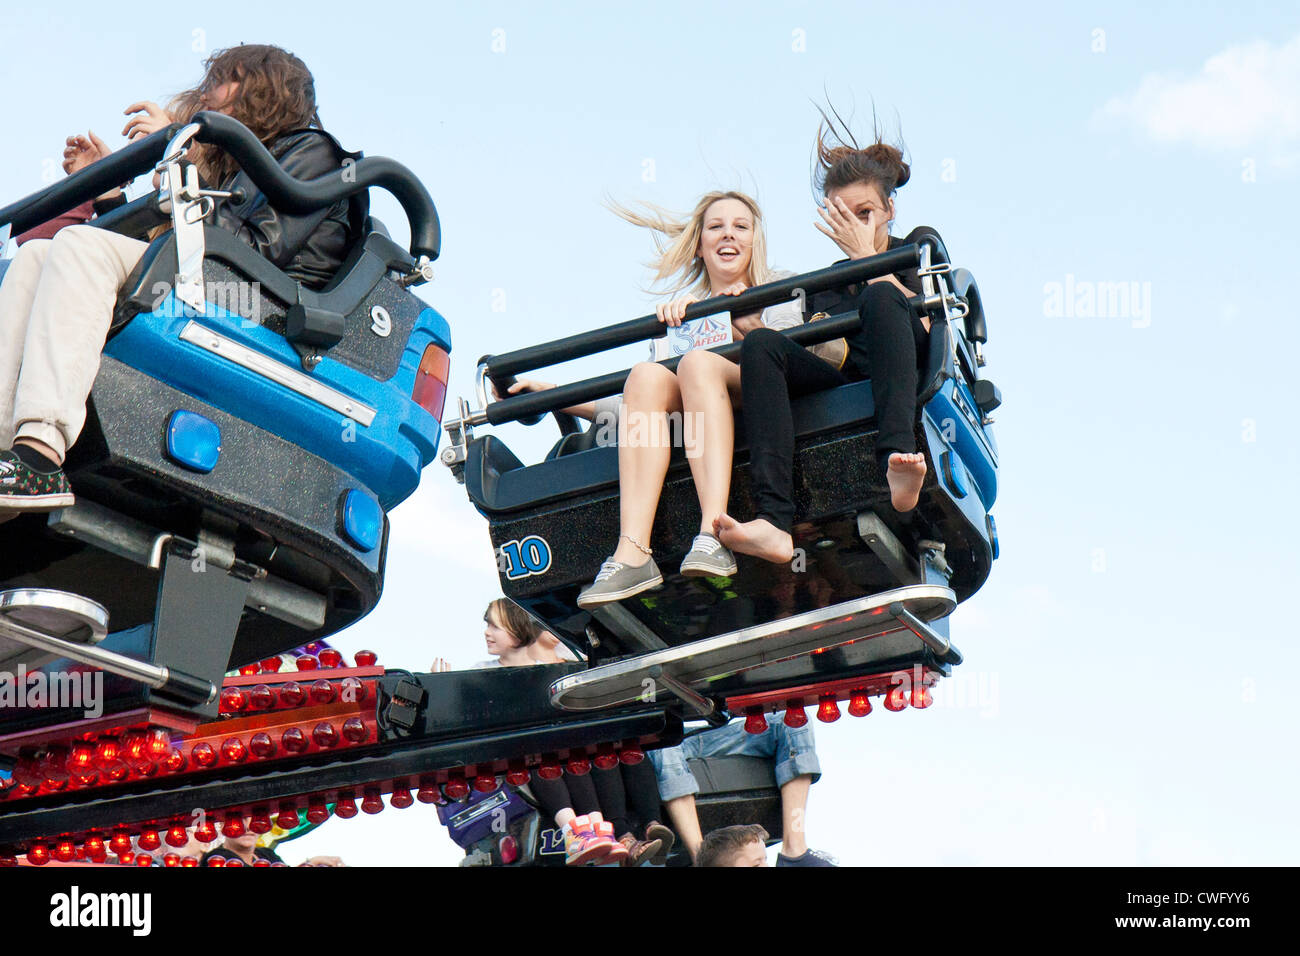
(524, 557)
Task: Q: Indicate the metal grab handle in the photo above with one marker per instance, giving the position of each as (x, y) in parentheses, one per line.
(175, 684)
(929, 637)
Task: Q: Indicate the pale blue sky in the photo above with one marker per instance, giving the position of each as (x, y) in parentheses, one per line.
(1123, 700)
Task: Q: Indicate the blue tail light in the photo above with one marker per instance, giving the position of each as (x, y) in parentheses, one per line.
(193, 441)
(363, 520)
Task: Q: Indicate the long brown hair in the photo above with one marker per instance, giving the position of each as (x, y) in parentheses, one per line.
(276, 94)
(514, 619)
(840, 161)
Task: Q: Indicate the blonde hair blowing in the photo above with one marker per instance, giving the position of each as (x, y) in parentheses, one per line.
(677, 241)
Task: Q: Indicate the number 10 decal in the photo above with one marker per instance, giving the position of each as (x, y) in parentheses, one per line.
(519, 559)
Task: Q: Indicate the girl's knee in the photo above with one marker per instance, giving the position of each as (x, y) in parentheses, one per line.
(649, 380)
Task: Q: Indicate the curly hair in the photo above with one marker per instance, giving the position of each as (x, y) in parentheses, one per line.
(276, 93)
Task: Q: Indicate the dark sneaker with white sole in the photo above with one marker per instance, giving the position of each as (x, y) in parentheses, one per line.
(807, 858)
(616, 582)
(708, 558)
(23, 488)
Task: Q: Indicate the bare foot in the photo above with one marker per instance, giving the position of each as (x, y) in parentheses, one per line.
(760, 538)
(905, 475)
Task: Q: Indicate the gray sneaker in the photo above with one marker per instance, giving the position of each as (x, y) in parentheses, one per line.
(617, 581)
(708, 558)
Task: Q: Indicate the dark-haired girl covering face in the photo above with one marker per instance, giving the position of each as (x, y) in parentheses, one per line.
(858, 186)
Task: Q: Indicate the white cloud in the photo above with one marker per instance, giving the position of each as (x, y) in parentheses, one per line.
(1246, 97)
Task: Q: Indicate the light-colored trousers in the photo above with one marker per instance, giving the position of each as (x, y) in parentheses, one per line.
(56, 302)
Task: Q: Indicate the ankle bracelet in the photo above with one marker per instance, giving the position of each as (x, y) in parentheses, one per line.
(638, 545)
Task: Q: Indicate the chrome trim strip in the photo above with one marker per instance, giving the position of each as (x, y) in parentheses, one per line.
(277, 372)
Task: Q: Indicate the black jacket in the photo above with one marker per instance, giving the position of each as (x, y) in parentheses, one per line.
(309, 248)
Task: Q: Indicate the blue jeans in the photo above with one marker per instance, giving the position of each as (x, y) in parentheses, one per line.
(792, 750)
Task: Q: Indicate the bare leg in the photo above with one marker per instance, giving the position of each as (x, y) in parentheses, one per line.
(681, 811)
(710, 388)
(794, 807)
(905, 475)
(645, 444)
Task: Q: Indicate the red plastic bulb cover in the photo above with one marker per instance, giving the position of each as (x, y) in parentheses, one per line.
(828, 711)
(306, 662)
(346, 806)
(171, 859)
(149, 840)
(271, 665)
(250, 669)
(401, 799)
(372, 802)
(81, 758)
(325, 734)
(353, 690)
(606, 759)
(456, 789)
(260, 822)
(287, 819)
(233, 826)
(508, 846)
(859, 704)
(329, 657)
(921, 697)
(354, 730)
(322, 692)
(203, 754)
(293, 740)
(755, 722)
(120, 842)
(177, 837)
(365, 658)
(292, 694)
(429, 793)
(794, 714)
(65, 851)
(631, 755)
(205, 832)
(578, 766)
(234, 861)
(261, 745)
(261, 697)
(217, 861)
(233, 700)
(174, 762)
(317, 812)
(517, 775)
(896, 699)
(190, 861)
(38, 855)
(550, 770)
(233, 750)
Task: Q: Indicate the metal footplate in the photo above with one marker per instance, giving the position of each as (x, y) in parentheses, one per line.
(897, 618)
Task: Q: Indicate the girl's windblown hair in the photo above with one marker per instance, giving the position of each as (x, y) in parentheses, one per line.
(677, 240)
(840, 161)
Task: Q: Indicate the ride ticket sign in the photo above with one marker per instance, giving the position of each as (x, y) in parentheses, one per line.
(706, 332)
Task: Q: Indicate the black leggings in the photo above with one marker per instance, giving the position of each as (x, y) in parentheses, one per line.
(887, 348)
(607, 792)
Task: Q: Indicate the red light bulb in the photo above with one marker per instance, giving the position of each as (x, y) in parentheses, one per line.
(258, 861)
(292, 694)
(346, 805)
(233, 825)
(95, 846)
(517, 775)
(261, 697)
(325, 735)
(38, 855)
(260, 822)
(794, 714)
(271, 665)
(54, 765)
(859, 704)
(401, 798)
(456, 789)
(171, 859)
(353, 691)
(755, 722)
(605, 758)
(550, 770)
(896, 699)
(306, 662)
(329, 657)
(485, 782)
(921, 697)
(174, 762)
(205, 832)
(203, 755)
(372, 802)
(120, 842)
(149, 840)
(190, 861)
(322, 692)
(287, 818)
(429, 793)
(177, 837)
(234, 862)
(509, 849)
(294, 740)
(828, 711)
(354, 730)
(233, 750)
(631, 755)
(316, 812)
(217, 861)
(143, 859)
(578, 766)
(260, 745)
(65, 851)
(248, 670)
(233, 700)
(365, 658)
(81, 758)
